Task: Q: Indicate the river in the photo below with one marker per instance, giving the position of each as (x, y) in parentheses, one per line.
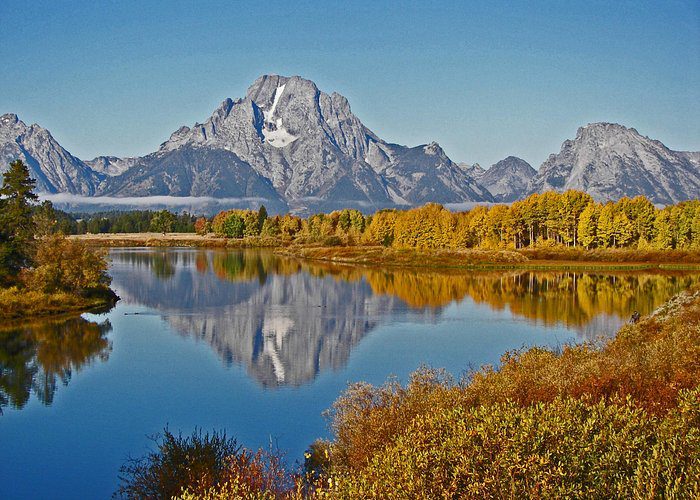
(260, 346)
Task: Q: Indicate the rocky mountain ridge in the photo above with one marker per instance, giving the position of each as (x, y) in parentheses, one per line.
(292, 146)
(54, 168)
(609, 161)
(508, 179)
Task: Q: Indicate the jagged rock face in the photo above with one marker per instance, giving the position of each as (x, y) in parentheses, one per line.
(476, 171)
(425, 174)
(279, 129)
(54, 168)
(692, 156)
(317, 154)
(111, 165)
(196, 171)
(508, 179)
(610, 161)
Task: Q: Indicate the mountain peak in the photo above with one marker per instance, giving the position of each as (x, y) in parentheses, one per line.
(433, 149)
(9, 119)
(508, 179)
(609, 161)
(54, 168)
(604, 129)
(265, 87)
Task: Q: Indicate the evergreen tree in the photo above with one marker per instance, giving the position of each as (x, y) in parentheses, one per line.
(262, 216)
(16, 221)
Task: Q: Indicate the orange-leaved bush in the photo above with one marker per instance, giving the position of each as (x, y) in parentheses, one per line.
(63, 265)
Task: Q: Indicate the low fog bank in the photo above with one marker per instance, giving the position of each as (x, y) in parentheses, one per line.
(204, 205)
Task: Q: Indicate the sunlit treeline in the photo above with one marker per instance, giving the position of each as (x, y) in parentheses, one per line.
(571, 219)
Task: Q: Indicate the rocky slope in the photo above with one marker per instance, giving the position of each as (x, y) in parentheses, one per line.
(285, 143)
(508, 180)
(610, 161)
(316, 153)
(54, 168)
(291, 146)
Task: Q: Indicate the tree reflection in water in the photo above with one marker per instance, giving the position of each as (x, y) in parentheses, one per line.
(552, 297)
(287, 320)
(36, 358)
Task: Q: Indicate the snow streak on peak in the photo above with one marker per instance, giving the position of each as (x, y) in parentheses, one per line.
(274, 132)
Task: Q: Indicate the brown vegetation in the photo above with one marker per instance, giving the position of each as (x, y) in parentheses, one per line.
(617, 420)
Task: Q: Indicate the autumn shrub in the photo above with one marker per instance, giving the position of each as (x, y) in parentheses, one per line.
(616, 419)
(567, 448)
(217, 222)
(365, 418)
(233, 226)
(202, 226)
(197, 461)
(19, 303)
(560, 252)
(651, 361)
(256, 476)
(63, 265)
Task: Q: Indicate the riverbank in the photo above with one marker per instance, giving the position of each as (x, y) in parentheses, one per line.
(584, 421)
(549, 258)
(476, 259)
(581, 421)
(18, 304)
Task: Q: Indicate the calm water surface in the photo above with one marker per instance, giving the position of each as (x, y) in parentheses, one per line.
(260, 346)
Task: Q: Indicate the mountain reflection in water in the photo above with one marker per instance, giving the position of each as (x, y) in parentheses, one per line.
(286, 320)
(37, 357)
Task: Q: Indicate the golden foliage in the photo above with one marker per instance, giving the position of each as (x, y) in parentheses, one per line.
(63, 265)
(621, 420)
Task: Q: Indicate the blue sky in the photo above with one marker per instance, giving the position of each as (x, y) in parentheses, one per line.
(484, 79)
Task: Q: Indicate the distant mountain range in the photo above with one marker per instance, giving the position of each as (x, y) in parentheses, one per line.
(291, 146)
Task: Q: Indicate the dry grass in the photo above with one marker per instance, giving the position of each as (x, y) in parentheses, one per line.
(386, 256)
(18, 303)
(613, 255)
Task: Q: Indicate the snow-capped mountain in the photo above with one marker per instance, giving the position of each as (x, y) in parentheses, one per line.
(54, 168)
(508, 179)
(292, 146)
(111, 165)
(312, 149)
(610, 161)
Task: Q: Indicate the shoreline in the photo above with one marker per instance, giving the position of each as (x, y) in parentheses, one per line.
(19, 307)
(566, 259)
